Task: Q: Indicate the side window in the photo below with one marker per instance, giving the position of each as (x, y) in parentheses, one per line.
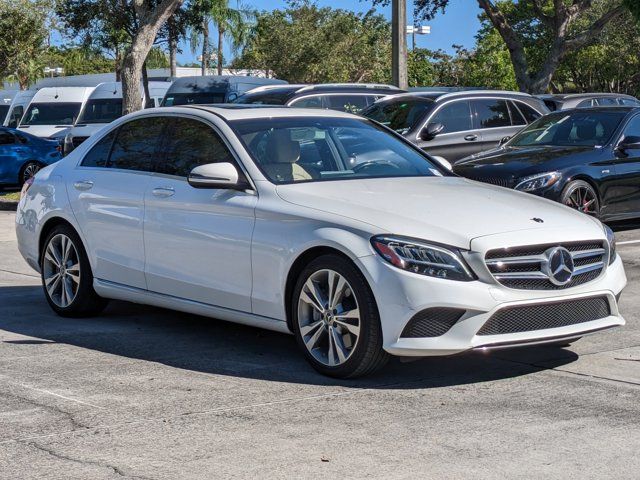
(191, 143)
(7, 138)
(491, 113)
(628, 101)
(314, 101)
(99, 153)
(607, 101)
(529, 113)
(587, 104)
(455, 116)
(135, 145)
(516, 116)
(633, 128)
(15, 116)
(347, 103)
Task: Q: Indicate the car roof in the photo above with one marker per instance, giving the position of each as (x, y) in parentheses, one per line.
(441, 96)
(604, 108)
(571, 96)
(233, 111)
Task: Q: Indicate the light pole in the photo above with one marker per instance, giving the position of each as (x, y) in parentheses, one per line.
(399, 43)
(417, 30)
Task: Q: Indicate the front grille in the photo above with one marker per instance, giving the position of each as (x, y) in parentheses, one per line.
(501, 182)
(431, 322)
(527, 318)
(76, 141)
(524, 267)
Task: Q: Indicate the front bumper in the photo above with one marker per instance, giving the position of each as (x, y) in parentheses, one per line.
(400, 295)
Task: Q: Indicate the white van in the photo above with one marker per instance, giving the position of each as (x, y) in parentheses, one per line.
(17, 107)
(6, 97)
(104, 106)
(53, 109)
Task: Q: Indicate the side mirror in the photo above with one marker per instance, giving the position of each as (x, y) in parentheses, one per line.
(216, 175)
(629, 143)
(504, 140)
(431, 131)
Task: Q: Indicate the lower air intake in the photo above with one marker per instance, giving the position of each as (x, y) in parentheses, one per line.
(527, 318)
(431, 322)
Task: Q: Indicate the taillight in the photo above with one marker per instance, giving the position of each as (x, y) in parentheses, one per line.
(26, 186)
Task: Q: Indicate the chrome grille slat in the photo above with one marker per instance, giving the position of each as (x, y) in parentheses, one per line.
(526, 268)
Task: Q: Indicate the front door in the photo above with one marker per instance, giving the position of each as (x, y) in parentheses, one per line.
(624, 191)
(197, 241)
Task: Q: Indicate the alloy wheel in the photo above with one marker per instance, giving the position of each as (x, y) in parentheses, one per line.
(29, 171)
(329, 317)
(584, 200)
(61, 270)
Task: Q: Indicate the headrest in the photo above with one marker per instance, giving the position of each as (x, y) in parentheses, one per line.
(281, 149)
(586, 130)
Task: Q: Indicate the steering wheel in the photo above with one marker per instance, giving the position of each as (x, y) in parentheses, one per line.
(375, 164)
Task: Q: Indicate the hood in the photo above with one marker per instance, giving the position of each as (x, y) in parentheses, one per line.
(86, 129)
(524, 156)
(446, 210)
(44, 131)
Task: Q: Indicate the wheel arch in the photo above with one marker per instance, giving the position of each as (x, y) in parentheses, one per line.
(47, 227)
(587, 179)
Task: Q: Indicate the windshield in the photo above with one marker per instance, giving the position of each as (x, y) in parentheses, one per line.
(400, 115)
(3, 112)
(316, 149)
(58, 113)
(198, 98)
(101, 110)
(570, 129)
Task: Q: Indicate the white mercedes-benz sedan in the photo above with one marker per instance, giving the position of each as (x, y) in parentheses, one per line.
(318, 223)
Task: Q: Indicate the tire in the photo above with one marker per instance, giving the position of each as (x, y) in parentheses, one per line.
(78, 298)
(28, 170)
(581, 196)
(335, 349)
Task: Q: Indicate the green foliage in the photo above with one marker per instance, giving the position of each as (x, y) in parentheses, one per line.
(77, 60)
(634, 8)
(308, 44)
(22, 40)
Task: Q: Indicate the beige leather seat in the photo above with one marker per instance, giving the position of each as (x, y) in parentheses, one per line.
(282, 153)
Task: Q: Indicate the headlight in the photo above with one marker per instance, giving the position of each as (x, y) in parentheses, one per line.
(611, 240)
(536, 182)
(420, 257)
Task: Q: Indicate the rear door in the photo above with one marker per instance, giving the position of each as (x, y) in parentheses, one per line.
(459, 138)
(107, 197)
(197, 241)
(493, 118)
(8, 157)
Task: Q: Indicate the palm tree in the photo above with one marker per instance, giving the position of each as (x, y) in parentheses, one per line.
(233, 24)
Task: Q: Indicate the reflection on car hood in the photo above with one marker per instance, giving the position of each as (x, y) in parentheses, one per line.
(447, 210)
(533, 155)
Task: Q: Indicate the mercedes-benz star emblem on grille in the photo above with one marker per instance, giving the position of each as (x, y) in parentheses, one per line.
(559, 266)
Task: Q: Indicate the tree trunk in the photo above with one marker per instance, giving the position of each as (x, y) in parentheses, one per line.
(220, 47)
(205, 46)
(173, 47)
(145, 85)
(150, 21)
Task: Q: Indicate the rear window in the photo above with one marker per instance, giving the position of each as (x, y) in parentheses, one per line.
(194, 98)
(400, 115)
(267, 98)
(54, 113)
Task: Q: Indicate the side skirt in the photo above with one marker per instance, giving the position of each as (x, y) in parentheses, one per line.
(118, 291)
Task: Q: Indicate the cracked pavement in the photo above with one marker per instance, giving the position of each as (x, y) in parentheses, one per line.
(145, 393)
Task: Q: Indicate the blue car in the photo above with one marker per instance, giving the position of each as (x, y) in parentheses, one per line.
(22, 155)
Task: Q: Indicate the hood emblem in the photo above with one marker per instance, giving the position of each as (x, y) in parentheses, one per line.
(559, 266)
(537, 220)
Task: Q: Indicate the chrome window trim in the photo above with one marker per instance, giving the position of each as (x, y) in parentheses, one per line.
(440, 105)
(291, 103)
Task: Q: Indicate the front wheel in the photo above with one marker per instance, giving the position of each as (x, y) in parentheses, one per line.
(28, 171)
(336, 320)
(581, 196)
(66, 275)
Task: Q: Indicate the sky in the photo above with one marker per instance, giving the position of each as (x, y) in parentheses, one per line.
(458, 26)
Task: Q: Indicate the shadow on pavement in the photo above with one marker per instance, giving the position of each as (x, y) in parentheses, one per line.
(216, 347)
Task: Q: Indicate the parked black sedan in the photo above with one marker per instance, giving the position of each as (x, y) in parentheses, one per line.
(588, 159)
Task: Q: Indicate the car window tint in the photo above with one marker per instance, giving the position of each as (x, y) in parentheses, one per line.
(529, 113)
(7, 138)
(347, 103)
(135, 144)
(314, 101)
(587, 104)
(191, 143)
(99, 153)
(516, 117)
(607, 101)
(15, 116)
(400, 114)
(633, 128)
(455, 116)
(491, 113)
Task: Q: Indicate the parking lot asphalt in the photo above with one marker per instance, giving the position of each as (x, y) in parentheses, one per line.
(145, 393)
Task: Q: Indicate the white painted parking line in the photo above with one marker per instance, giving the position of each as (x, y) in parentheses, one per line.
(628, 242)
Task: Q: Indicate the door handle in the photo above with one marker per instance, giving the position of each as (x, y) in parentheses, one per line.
(163, 192)
(83, 185)
(471, 138)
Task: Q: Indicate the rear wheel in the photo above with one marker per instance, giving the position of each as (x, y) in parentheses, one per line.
(28, 171)
(66, 275)
(336, 320)
(581, 196)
